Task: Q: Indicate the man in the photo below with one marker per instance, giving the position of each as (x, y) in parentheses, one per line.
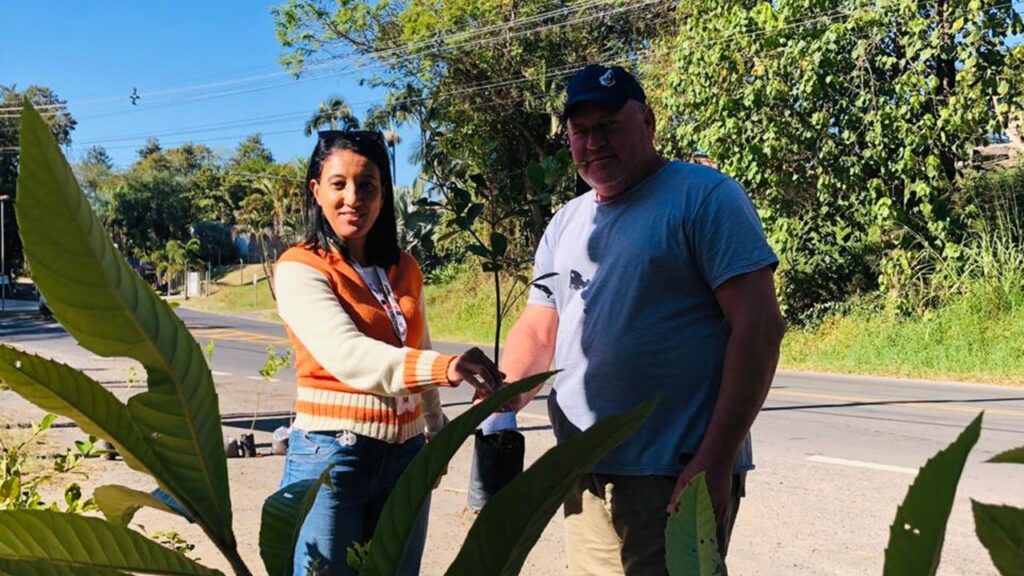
(664, 289)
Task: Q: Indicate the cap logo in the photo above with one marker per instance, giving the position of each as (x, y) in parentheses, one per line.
(607, 79)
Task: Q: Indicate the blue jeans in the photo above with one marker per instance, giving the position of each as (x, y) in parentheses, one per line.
(364, 475)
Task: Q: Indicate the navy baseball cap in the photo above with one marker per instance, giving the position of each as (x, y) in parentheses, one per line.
(607, 86)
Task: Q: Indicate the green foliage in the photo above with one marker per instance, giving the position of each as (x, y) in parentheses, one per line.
(691, 543)
(849, 121)
(275, 363)
(61, 125)
(119, 503)
(34, 538)
(333, 114)
(173, 429)
(407, 498)
(1015, 456)
(1001, 530)
(20, 482)
(986, 262)
(917, 534)
(484, 90)
(283, 515)
(513, 519)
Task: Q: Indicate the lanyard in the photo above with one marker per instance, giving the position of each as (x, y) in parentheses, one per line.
(377, 282)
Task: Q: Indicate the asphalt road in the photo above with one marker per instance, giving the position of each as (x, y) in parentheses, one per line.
(835, 453)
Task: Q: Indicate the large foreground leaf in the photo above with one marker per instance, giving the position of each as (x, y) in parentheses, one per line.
(1015, 456)
(38, 537)
(104, 304)
(283, 515)
(406, 500)
(46, 568)
(1001, 530)
(60, 389)
(120, 503)
(512, 521)
(917, 534)
(691, 544)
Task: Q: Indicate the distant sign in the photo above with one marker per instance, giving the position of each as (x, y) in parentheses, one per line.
(5, 280)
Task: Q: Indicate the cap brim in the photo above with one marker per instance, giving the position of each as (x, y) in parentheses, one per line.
(612, 102)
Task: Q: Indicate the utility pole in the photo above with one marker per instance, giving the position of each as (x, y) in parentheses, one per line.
(3, 254)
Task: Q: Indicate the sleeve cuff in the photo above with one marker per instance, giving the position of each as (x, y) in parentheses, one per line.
(426, 368)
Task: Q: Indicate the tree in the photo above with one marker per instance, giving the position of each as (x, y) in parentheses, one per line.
(331, 114)
(849, 121)
(61, 124)
(95, 172)
(482, 79)
(250, 160)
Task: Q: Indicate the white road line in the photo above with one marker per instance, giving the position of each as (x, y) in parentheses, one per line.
(862, 464)
(260, 378)
(221, 373)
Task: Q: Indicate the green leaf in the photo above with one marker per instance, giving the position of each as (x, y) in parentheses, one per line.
(917, 534)
(63, 390)
(406, 500)
(111, 311)
(479, 250)
(283, 515)
(691, 543)
(472, 213)
(499, 244)
(1014, 456)
(45, 568)
(120, 503)
(72, 541)
(535, 174)
(44, 424)
(1001, 530)
(512, 521)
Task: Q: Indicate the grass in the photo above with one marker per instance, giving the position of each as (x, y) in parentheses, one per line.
(234, 292)
(462, 309)
(965, 340)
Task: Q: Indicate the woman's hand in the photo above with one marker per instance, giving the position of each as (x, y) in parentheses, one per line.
(475, 367)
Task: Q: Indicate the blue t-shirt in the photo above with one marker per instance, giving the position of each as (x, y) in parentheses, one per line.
(638, 317)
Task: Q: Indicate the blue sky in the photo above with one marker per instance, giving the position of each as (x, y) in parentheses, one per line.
(205, 72)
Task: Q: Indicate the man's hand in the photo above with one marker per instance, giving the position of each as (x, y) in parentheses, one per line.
(719, 480)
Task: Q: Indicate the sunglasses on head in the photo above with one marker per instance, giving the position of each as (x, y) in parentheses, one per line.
(372, 136)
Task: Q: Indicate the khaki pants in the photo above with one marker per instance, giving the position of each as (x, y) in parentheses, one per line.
(615, 525)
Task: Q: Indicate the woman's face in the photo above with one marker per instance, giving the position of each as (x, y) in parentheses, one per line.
(350, 195)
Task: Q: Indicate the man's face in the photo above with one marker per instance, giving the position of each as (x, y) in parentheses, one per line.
(612, 150)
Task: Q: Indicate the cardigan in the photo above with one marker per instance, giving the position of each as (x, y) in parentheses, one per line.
(352, 373)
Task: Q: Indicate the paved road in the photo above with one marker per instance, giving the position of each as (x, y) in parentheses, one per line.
(836, 453)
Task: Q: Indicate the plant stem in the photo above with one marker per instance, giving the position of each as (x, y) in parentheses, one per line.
(497, 314)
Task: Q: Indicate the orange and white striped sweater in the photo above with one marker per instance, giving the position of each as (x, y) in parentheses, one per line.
(352, 372)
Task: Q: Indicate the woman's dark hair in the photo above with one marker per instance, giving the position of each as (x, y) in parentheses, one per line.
(382, 240)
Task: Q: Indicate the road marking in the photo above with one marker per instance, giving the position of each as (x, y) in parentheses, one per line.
(862, 464)
(236, 335)
(221, 373)
(254, 378)
(897, 402)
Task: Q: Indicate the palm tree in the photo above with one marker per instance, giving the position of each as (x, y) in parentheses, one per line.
(332, 113)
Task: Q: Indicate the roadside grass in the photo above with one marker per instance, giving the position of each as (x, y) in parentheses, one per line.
(233, 291)
(462, 308)
(965, 340)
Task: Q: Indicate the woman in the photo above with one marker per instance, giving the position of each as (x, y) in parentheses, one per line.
(367, 380)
